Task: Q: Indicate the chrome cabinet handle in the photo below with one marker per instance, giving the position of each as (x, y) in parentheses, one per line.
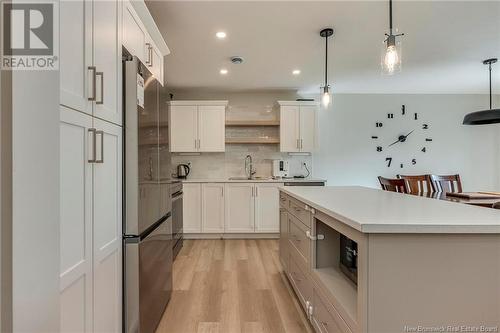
(92, 131)
(256, 191)
(297, 144)
(151, 56)
(301, 143)
(101, 133)
(93, 70)
(222, 191)
(101, 74)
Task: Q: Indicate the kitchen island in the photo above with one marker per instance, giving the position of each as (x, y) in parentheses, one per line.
(366, 260)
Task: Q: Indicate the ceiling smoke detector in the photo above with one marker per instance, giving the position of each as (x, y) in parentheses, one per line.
(236, 60)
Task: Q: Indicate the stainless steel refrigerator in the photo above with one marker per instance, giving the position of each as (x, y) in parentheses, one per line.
(147, 239)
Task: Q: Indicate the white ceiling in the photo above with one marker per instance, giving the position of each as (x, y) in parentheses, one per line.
(443, 46)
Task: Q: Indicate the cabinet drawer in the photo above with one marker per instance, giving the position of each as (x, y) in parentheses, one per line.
(283, 245)
(283, 200)
(300, 282)
(299, 240)
(325, 318)
(301, 211)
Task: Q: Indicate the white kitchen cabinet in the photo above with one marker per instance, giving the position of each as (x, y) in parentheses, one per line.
(76, 222)
(184, 128)
(90, 58)
(212, 207)
(197, 126)
(267, 207)
(107, 227)
(75, 54)
(107, 61)
(239, 207)
(212, 128)
(191, 208)
(91, 221)
(134, 37)
(297, 126)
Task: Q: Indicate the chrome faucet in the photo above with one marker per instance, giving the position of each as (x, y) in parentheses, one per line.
(249, 170)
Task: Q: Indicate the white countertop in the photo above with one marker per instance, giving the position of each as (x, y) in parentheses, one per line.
(375, 211)
(268, 180)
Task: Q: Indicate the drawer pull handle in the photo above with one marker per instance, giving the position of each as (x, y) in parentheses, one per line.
(324, 323)
(313, 238)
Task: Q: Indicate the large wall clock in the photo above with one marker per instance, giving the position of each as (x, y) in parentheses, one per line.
(409, 137)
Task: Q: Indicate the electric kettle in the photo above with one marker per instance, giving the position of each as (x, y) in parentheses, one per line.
(183, 171)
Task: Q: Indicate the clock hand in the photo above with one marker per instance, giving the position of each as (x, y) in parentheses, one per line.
(394, 143)
(409, 134)
(402, 138)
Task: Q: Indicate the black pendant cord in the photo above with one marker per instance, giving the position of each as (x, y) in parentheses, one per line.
(390, 17)
(490, 85)
(326, 61)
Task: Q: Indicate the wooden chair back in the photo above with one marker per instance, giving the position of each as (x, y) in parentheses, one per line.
(418, 184)
(448, 183)
(393, 185)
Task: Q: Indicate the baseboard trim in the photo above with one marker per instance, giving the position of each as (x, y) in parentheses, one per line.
(233, 236)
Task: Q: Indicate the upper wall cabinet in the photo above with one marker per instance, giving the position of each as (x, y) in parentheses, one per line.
(197, 126)
(297, 126)
(138, 38)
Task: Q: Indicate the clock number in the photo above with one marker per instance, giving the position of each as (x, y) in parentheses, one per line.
(379, 149)
(379, 124)
(389, 160)
(413, 161)
(401, 165)
(425, 126)
(424, 150)
(390, 115)
(416, 116)
(428, 140)
(374, 137)
(403, 110)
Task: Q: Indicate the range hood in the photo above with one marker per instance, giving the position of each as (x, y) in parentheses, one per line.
(491, 116)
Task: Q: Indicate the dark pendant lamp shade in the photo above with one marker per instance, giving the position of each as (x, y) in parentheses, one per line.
(485, 117)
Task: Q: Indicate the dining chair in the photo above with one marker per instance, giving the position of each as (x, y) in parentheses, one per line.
(447, 183)
(418, 184)
(393, 185)
(496, 205)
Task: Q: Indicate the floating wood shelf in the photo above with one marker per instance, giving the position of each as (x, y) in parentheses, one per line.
(252, 123)
(253, 140)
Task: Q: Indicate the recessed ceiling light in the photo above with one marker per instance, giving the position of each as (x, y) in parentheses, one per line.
(220, 35)
(296, 72)
(223, 71)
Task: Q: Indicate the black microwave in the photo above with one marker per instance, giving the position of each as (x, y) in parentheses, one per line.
(349, 258)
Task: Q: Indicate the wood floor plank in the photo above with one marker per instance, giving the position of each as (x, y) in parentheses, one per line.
(231, 286)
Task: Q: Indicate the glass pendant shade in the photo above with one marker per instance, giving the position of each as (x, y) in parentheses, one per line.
(326, 96)
(391, 57)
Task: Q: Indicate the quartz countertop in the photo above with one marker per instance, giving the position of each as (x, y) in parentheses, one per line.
(262, 180)
(375, 211)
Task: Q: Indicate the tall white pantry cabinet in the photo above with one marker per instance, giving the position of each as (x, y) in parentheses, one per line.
(91, 166)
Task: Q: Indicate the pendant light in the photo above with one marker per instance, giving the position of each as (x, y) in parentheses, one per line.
(391, 49)
(491, 116)
(326, 96)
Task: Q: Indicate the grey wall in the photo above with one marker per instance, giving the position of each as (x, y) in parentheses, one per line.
(347, 155)
(35, 238)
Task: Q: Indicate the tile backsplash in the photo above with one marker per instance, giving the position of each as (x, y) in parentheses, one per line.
(232, 162)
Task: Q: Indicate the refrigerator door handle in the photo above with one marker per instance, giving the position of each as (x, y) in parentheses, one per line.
(93, 89)
(101, 74)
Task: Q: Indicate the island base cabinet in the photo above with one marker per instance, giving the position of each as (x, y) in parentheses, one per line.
(324, 318)
(283, 242)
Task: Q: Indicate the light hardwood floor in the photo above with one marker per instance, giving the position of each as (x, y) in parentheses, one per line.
(231, 286)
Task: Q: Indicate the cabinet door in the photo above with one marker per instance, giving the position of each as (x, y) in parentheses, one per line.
(191, 208)
(133, 35)
(76, 54)
(212, 207)
(107, 224)
(211, 127)
(183, 128)
(76, 222)
(284, 257)
(239, 206)
(267, 205)
(107, 60)
(307, 128)
(289, 129)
